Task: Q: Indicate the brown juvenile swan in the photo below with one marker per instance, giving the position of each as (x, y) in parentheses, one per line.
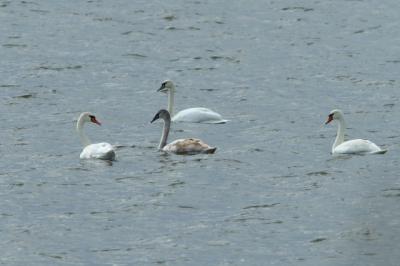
(179, 146)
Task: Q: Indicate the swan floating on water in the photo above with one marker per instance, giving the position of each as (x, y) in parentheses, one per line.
(355, 146)
(193, 115)
(104, 151)
(179, 146)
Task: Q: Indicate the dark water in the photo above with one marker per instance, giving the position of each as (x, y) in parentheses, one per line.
(271, 195)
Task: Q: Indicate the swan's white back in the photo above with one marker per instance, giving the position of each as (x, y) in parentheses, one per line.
(199, 115)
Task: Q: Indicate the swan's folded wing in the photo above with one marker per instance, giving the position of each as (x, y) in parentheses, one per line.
(198, 115)
(104, 151)
(357, 146)
(189, 146)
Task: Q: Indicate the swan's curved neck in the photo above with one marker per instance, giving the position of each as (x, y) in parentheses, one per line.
(164, 136)
(171, 93)
(79, 127)
(340, 133)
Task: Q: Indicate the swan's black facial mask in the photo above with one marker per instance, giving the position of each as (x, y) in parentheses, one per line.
(330, 118)
(94, 120)
(162, 88)
(157, 116)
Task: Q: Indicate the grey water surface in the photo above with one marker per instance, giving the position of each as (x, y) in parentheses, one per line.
(271, 195)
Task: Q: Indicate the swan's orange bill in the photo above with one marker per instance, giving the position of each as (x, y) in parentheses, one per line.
(94, 120)
(330, 118)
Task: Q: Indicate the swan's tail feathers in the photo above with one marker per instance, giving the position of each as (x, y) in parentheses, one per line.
(211, 150)
(380, 152)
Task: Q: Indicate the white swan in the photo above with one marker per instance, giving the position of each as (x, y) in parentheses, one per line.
(193, 115)
(179, 146)
(102, 150)
(355, 146)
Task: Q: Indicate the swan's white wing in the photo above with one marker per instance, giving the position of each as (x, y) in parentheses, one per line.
(357, 146)
(104, 151)
(198, 115)
(188, 146)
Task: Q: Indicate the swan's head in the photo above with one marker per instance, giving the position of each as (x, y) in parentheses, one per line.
(89, 117)
(166, 86)
(163, 114)
(334, 115)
